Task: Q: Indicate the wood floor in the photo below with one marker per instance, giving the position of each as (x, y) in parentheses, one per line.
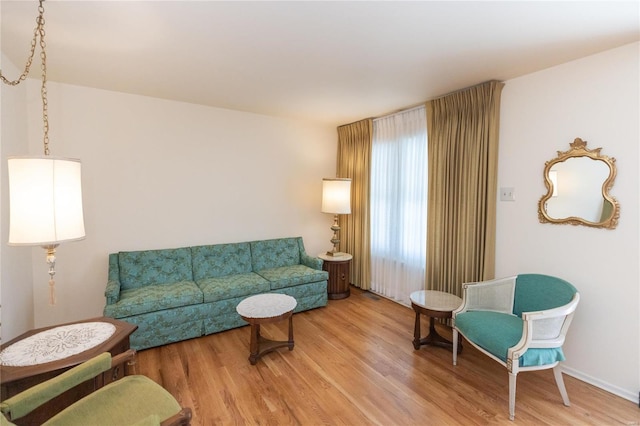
(354, 364)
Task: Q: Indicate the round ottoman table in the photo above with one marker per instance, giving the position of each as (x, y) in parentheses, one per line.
(264, 309)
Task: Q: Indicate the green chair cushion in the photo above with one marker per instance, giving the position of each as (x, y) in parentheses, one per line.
(496, 332)
(288, 276)
(537, 292)
(541, 356)
(151, 420)
(222, 288)
(154, 298)
(126, 401)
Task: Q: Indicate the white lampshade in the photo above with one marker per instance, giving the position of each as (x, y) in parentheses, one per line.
(45, 203)
(336, 195)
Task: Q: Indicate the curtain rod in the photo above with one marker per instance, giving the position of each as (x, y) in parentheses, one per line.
(400, 111)
(421, 103)
(463, 89)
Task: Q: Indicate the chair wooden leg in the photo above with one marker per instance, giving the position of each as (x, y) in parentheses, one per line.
(557, 373)
(455, 346)
(512, 396)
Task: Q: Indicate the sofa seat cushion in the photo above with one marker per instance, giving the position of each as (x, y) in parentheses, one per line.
(288, 276)
(238, 285)
(308, 296)
(496, 332)
(155, 298)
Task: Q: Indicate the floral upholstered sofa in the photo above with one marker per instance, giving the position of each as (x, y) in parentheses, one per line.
(181, 293)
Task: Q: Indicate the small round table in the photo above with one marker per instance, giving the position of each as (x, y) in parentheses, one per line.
(434, 304)
(264, 309)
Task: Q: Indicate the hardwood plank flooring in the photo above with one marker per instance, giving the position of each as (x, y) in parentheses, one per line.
(354, 364)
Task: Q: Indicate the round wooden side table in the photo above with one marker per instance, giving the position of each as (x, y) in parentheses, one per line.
(264, 309)
(434, 304)
(339, 269)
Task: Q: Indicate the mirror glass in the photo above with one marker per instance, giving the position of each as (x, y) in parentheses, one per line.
(578, 182)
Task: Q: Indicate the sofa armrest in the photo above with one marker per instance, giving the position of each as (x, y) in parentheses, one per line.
(112, 292)
(495, 295)
(311, 262)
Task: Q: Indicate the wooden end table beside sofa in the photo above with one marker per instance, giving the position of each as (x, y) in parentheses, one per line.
(339, 269)
(15, 379)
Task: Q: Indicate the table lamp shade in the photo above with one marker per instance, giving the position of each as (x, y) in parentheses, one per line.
(45, 200)
(336, 195)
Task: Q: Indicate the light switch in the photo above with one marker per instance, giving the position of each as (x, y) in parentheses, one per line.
(507, 194)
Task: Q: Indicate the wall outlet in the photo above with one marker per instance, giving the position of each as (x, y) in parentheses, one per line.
(507, 194)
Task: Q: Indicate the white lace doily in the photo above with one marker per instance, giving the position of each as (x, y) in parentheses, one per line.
(266, 305)
(56, 343)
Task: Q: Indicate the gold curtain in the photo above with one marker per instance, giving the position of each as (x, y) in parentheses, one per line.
(354, 161)
(463, 172)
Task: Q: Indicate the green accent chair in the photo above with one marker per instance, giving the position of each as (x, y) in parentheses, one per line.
(131, 400)
(520, 322)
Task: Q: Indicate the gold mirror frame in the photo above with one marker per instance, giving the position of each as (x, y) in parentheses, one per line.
(579, 149)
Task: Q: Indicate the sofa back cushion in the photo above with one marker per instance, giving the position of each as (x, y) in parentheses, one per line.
(267, 254)
(220, 260)
(150, 267)
(536, 292)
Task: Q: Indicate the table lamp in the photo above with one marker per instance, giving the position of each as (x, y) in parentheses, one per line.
(336, 199)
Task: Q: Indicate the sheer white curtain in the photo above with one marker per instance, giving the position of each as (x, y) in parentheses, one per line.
(398, 203)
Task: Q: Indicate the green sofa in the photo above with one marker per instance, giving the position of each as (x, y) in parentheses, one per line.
(182, 293)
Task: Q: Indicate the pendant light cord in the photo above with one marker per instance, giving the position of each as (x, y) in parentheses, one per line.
(38, 34)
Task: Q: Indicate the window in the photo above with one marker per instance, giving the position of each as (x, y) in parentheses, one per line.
(399, 204)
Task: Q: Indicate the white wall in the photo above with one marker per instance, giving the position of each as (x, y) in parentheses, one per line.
(161, 174)
(597, 99)
(16, 290)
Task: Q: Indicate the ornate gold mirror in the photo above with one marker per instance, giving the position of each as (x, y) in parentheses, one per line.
(578, 184)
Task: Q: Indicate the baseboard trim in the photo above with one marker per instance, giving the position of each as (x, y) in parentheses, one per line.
(623, 393)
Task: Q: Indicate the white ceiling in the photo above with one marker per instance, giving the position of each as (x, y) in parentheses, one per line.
(332, 62)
